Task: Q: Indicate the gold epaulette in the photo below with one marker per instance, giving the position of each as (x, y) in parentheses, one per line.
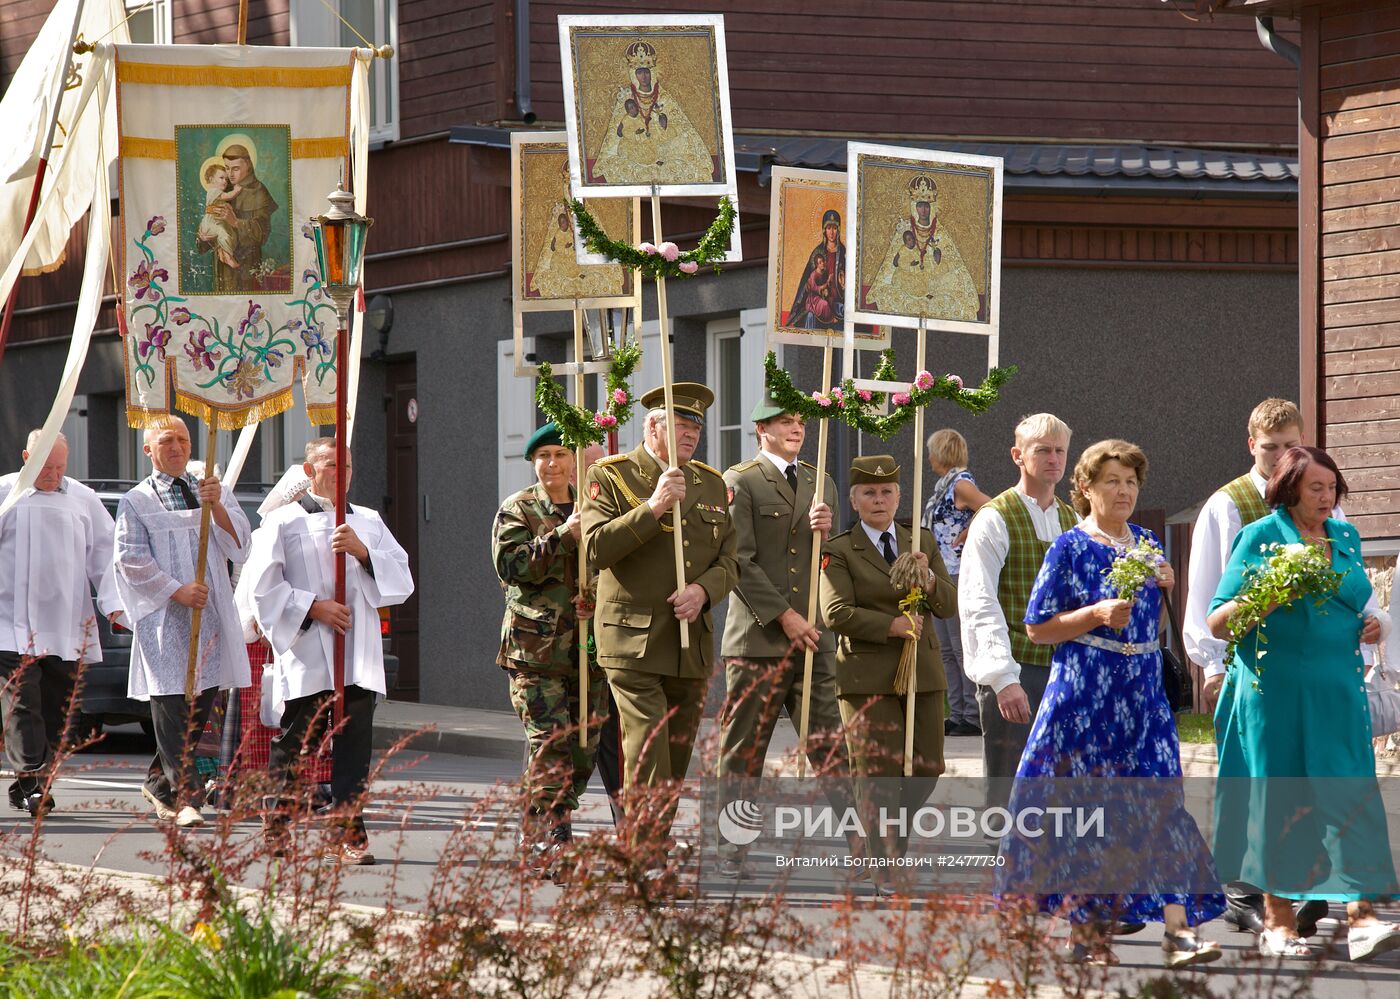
(743, 466)
(613, 458)
(713, 471)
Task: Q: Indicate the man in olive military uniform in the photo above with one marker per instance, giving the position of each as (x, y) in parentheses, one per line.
(859, 603)
(534, 548)
(627, 525)
(777, 519)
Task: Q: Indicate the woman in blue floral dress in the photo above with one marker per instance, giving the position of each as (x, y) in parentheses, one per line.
(1105, 715)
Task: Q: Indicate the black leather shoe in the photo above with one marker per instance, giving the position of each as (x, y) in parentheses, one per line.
(1246, 919)
(1310, 913)
(1126, 929)
(17, 797)
(948, 726)
(966, 728)
(38, 804)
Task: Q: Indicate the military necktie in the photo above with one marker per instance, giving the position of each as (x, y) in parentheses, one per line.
(792, 477)
(186, 493)
(886, 548)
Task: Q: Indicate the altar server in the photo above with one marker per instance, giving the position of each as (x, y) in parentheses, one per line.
(55, 547)
(157, 551)
(291, 577)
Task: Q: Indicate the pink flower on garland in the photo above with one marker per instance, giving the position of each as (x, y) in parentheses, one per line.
(619, 397)
(838, 397)
(821, 399)
(864, 394)
(900, 398)
(923, 381)
(605, 420)
(688, 266)
(956, 381)
(648, 248)
(669, 251)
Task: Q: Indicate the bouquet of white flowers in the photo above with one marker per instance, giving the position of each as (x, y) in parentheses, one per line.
(1134, 568)
(1291, 572)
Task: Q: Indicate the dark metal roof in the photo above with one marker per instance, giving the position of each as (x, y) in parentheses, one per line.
(1080, 169)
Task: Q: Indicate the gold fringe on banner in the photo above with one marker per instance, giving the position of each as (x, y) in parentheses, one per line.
(288, 77)
(320, 147)
(322, 415)
(238, 418)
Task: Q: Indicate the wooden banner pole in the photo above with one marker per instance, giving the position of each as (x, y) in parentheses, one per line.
(668, 393)
(205, 514)
(342, 386)
(242, 22)
(582, 555)
(813, 568)
(914, 548)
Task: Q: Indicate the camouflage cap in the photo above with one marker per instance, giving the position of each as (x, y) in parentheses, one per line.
(689, 399)
(545, 435)
(873, 468)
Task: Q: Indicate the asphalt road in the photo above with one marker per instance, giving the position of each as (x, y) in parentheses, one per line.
(421, 802)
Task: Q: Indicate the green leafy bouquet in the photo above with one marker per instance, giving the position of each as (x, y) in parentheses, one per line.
(1134, 568)
(1291, 572)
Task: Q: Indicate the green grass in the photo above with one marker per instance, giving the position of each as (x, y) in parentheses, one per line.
(1195, 728)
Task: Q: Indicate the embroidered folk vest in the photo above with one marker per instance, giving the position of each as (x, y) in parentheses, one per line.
(1023, 560)
(1245, 496)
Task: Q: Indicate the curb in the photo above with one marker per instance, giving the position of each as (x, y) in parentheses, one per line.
(432, 739)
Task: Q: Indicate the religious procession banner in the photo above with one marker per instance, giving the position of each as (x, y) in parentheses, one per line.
(547, 276)
(807, 262)
(225, 152)
(646, 108)
(925, 239)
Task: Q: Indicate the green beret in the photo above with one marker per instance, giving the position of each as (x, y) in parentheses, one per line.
(766, 408)
(547, 436)
(688, 399)
(874, 468)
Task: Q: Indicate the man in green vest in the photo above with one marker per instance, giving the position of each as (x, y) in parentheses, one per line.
(1275, 425)
(777, 519)
(1006, 543)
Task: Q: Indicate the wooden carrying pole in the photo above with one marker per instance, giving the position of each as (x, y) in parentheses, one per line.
(582, 554)
(201, 567)
(813, 568)
(342, 381)
(242, 22)
(666, 388)
(914, 549)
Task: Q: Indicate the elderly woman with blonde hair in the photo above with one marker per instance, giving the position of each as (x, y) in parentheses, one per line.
(1105, 715)
(947, 514)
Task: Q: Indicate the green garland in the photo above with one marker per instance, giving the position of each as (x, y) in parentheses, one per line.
(579, 426)
(855, 406)
(665, 261)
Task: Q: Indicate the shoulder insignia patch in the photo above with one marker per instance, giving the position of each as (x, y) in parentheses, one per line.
(594, 488)
(700, 464)
(826, 560)
(730, 492)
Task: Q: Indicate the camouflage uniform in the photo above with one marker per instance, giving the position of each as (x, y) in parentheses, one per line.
(536, 558)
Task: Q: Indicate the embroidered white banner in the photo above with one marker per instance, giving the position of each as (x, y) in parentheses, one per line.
(226, 151)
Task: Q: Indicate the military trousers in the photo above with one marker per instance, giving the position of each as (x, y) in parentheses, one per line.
(874, 725)
(757, 691)
(34, 699)
(659, 717)
(1003, 742)
(557, 767)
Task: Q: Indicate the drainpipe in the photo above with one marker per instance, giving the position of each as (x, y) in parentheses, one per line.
(1276, 43)
(523, 104)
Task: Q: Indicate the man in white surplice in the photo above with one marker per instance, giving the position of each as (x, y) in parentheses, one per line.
(291, 578)
(156, 553)
(55, 547)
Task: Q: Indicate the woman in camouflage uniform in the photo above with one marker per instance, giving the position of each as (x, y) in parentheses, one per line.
(535, 551)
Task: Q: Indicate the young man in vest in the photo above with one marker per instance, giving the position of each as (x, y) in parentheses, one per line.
(1006, 542)
(1275, 425)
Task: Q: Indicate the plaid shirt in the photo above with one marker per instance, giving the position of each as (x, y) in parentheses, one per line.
(170, 497)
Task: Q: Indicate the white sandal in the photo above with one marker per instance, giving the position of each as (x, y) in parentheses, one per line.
(1274, 943)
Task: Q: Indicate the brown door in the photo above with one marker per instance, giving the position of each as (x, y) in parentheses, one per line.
(401, 513)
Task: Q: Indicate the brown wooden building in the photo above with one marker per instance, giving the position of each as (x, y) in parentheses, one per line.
(1151, 251)
(1348, 67)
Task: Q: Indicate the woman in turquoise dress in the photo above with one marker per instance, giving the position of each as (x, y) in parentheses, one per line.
(1298, 809)
(1104, 737)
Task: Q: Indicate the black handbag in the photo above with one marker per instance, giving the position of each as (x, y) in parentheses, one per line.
(1175, 677)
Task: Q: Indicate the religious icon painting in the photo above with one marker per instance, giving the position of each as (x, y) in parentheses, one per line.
(547, 274)
(646, 105)
(925, 242)
(807, 262)
(234, 208)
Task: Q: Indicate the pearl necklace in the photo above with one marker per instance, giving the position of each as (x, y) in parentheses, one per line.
(1123, 541)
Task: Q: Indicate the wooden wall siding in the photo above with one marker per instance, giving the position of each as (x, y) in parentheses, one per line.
(215, 22)
(1358, 212)
(1130, 246)
(1076, 69)
(455, 63)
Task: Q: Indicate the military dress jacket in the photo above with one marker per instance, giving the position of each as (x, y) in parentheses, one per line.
(775, 556)
(858, 602)
(633, 554)
(536, 560)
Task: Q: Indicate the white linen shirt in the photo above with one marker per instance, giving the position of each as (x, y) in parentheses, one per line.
(55, 548)
(987, 658)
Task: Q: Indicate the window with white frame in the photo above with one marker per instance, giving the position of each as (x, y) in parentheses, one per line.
(736, 350)
(149, 21)
(335, 23)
